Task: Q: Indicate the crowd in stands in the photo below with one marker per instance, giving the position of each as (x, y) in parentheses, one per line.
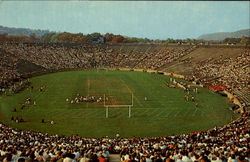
(229, 143)
(158, 59)
(52, 57)
(231, 72)
(8, 70)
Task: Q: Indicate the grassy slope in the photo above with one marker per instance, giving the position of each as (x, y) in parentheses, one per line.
(164, 113)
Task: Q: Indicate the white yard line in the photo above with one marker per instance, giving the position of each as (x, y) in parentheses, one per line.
(159, 113)
(131, 91)
(169, 113)
(51, 83)
(176, 113)
(195, 112)
(186, 112)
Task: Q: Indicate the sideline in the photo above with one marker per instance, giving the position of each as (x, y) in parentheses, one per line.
(230, 96)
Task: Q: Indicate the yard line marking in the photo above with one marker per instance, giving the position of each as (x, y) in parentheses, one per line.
(153, 112)
(157, 112)
(37, 96)
(130, 91)
(160, 113)
(176, 113)
(141, 113)
(101, 108)
(144, 112)
(120, 114)
(169, 113)
(92, 114)
(194, 112)
(186, 112)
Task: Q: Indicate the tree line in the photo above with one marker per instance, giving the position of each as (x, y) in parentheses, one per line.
(66, 37)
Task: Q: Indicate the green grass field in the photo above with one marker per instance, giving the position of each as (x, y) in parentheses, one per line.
(164, 113)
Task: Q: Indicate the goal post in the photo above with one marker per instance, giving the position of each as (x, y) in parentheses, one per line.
(129, 106)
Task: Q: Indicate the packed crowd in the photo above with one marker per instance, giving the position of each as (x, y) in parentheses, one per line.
(53, 57)
(220, 144)
(8, 69)
(228, 143)
(231, 72)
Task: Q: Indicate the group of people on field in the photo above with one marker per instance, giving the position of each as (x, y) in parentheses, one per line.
(229, 143)
(89, 98)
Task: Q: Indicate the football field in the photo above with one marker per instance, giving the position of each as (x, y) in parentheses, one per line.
(157, 110)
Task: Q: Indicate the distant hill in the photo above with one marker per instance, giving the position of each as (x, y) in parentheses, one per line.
(223, 35)
(23, 31)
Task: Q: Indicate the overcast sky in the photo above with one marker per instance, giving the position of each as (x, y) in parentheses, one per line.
(151, 19)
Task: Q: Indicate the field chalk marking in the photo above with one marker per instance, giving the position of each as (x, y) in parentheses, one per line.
(131, 91)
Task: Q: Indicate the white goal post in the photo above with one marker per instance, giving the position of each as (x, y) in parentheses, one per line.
(119, 106)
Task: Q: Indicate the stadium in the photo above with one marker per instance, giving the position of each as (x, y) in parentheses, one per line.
(123, 101)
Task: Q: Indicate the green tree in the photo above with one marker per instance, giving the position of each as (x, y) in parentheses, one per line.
(245, 40)
(108, 37)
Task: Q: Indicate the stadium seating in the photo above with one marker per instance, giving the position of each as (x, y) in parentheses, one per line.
(227, 143)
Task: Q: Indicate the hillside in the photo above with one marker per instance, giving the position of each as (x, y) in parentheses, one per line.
(223, 35)
(22, 31)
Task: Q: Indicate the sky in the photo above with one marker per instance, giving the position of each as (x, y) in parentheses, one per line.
(150, 19)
